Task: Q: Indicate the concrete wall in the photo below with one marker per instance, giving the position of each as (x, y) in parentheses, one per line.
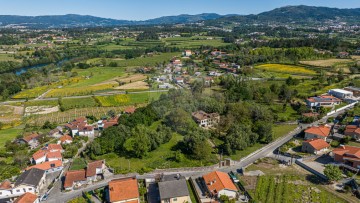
(308, 168)
(342, 108)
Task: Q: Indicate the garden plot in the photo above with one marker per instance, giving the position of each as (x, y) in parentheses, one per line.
(326, 62)
(31, 110)
(10, 113)
(134, 85)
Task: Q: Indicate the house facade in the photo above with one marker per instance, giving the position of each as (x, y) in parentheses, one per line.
(315, 146)
(340, 93)
(204, 119)
(323, 100)
(49, 167)
(317, 132)
(174, 191)
(348, 155)
(219, 183)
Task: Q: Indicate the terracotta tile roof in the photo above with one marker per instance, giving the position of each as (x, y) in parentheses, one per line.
(123, 189)
(109, 124)
(39, 154)
(54, 155)
(54, 147)
(91, 167)
(46, 165)
(74, 176)
(323, 98)
(357, 131)
(201, 115)
(65, 138)
(347, 151)
(31, 137)
(130, 109)
(319, 130)
(26, 198)
(318, 144)
(5, 185)
(217, 181)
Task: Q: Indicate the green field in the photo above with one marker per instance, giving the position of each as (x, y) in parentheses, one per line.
(78, 103)
(148, 60)
(160, 158)
(42, 103)
(128, 99)
(194, 42)
(288, 69)
(8, 135)
(7, 57)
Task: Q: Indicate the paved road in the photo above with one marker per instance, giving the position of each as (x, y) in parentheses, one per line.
(56, 196)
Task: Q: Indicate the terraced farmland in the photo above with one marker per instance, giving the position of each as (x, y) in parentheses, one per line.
(282, 68)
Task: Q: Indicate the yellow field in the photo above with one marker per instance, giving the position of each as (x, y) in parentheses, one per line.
(327, 62)
(135, 85)
(281, 68)
(78, 91)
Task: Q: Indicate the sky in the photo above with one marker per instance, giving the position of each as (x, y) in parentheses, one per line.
(147, 9)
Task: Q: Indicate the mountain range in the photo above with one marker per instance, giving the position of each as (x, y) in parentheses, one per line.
(288, 14)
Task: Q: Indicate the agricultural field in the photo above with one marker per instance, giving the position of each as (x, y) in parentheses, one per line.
(327, 62)
(32, 93)
(147, 60)
(128, 99)
(7, 57)
(194, 42)
(289, 69)
(8, 135)
(70, 103)
(69, 115)
(140, 85)
(9, 114)
(42, 103)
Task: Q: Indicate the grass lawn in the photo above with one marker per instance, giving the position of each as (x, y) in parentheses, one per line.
(282, 130)
(8, 135)
(288, 115)
(77, 164)
(160, 158)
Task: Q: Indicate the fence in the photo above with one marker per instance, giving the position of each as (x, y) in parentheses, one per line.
(308, 168)
(342, 108)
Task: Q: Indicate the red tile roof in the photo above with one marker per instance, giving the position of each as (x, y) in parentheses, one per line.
(318, 144)
(5, 185)
(91, 167)
(130, 109)
(54, 147)
(54, 155)
(39, 154)
(319, 130)
(65, 138)
(26, 198)
(31, 137)
(123, 189)
(347, 151)
(74, 176)
(217, 181)
(46, 165)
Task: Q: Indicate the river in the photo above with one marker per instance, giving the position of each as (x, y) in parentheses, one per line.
(22, 70)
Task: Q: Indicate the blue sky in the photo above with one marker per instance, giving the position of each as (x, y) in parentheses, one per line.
(146, 9)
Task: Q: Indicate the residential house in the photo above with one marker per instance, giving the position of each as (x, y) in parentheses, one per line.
(321, 132)
(179, 80)
(65, 139)
(165, 86)
(340, 93)
(130, 110)
(343, 55)
(353, 131)
(48, 167)
(354, 90)
(124, 190)
(103, 124)
(75, 179)
(173, 189)
(206, 120)
(30, 181)
(80, 127)
(31, 140)
(38, 157)
(57, 132)
(27, 198)
(324, 100)
(50, 153)
(219, 183)
(187, 53)
(54, 148)
(94, 169)
(315, 146)
(348, 155)
(5, 189)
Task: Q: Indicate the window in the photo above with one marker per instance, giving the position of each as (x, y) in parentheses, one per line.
(30, 189)
(17, 190)
(174, 199)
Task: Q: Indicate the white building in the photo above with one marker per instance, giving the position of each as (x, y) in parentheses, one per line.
(340, 93)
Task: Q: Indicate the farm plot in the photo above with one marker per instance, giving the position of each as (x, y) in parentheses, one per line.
(78, 91)
(9, 113)
(148, 60)
(64, 117)
(134, 85)
(290, 69)
(128, 99)
(327, 62)
(290, 188)
(71, 103)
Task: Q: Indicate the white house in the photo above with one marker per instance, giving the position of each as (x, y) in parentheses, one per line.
(340, 93)
(314, 132)
(315, 146)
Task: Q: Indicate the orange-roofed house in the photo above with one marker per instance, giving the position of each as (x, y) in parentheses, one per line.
(219, 183)
(65, 139)
(314, 132)
(323, 100)
(31, 140)
(124, 191)
(48, 167)
(74, 179)
(55, 148)
(353, 131)
(315, 146)
(348, 155)
(94, 169)
(27, 198)
(39, 157)
(129, 110)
